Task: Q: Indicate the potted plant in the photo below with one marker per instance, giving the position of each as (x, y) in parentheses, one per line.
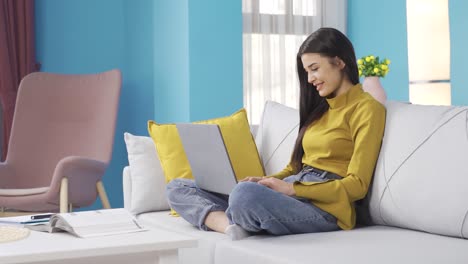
(372, 69)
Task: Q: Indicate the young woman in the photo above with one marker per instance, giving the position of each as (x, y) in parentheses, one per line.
(331, 167)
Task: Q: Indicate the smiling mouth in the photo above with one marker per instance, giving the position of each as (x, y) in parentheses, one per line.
(318, 86)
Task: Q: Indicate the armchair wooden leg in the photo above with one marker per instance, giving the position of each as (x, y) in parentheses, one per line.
(102, 195)
(64, 195)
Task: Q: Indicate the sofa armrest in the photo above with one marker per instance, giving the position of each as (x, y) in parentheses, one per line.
(127, 188)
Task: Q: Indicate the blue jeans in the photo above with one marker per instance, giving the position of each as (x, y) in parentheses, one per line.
(254, 207)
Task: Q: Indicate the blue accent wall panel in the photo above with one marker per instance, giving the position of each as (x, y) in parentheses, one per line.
(458, 50)
(79, 36)
(171, 61)
(215, 37)
(138, 70)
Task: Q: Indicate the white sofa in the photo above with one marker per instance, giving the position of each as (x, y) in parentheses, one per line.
(415, 212)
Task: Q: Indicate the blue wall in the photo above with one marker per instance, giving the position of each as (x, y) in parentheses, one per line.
(66, 42)
(137, 103)
(180, 61)
(379, 28)
(458, 51)
(215, 58)
(199, 63)
(171, 61)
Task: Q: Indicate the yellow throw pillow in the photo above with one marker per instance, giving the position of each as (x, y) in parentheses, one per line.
(237, 137)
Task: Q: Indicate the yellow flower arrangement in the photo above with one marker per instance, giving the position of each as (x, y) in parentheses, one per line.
(373, 66)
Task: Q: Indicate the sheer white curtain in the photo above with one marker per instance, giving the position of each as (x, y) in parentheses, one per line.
(273, 30)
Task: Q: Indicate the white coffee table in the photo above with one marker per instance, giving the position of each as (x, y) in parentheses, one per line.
(154, 246)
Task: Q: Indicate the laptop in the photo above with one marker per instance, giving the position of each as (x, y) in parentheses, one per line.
(208, 157)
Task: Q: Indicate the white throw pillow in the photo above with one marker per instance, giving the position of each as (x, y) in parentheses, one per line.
(276, 136)
(148, 183)
(420, 180)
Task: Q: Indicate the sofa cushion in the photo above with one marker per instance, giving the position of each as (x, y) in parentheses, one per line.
(205, 250)
(276, 136)
(368, 245)
(421, 179)
(237, 137)
(146, 171)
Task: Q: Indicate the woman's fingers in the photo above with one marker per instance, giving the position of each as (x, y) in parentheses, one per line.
(278, 185)
(251, 179)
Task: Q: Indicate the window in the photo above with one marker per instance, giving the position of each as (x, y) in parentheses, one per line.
(273, 30)
(428, 51)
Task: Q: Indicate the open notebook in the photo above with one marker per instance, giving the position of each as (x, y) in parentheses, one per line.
(208, 157)
(90, 223)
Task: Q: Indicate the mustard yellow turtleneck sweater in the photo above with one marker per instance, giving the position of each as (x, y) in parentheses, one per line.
(346, 141)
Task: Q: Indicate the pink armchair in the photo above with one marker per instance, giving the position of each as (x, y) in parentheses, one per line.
(61, 141)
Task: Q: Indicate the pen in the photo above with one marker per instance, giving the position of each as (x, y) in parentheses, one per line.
(34, 221)
(35, 217)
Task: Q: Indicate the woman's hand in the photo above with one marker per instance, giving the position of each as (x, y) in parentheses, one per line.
(278, 185)
(252, 179)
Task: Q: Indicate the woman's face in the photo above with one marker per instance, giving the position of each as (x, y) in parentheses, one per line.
(324, 73)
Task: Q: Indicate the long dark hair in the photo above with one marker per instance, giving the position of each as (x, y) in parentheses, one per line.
(327, 42)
